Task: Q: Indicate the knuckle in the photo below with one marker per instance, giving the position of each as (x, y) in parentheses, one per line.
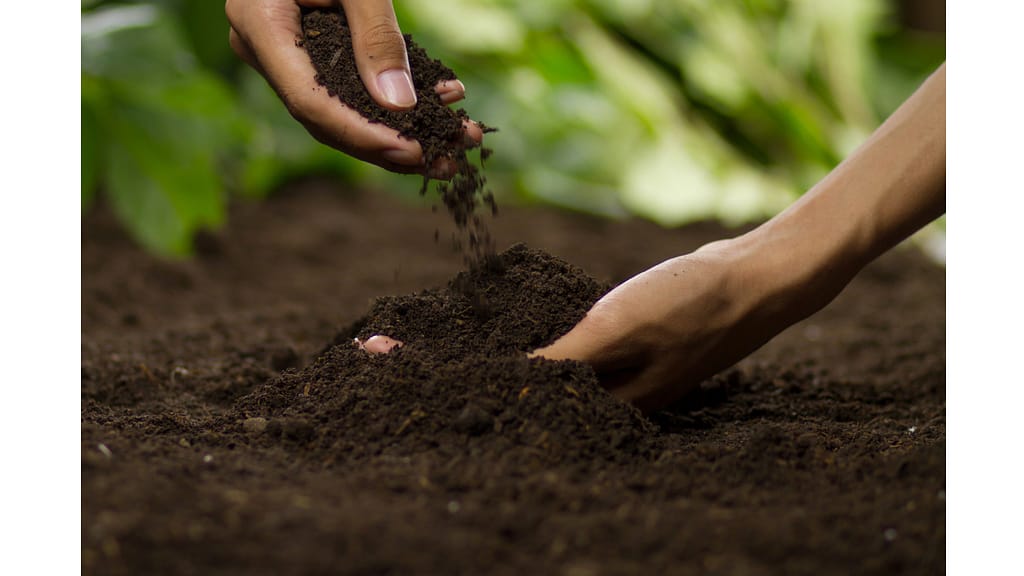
(383, 41)
(233, 9)
(259, 12)
(334, 138)
(235, 41)
(271, 12)
(297, 103)
(334, 134)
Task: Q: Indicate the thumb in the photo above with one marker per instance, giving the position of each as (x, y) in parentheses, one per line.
(380, 52)
(581, 343)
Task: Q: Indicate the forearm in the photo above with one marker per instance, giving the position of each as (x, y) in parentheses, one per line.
(894, 184)
(657, 335)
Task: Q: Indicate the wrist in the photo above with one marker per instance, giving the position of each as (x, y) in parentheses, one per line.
(789, 268)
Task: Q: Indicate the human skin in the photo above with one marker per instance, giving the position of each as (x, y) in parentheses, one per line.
(656, 336)
(263, 34)
(377, 344)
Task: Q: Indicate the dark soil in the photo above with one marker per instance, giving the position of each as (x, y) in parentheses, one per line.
(230, 426)
(438, 128)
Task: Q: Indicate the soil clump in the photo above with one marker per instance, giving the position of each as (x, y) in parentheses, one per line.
(438, 128)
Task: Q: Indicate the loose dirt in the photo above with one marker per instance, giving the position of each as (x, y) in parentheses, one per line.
(230, 426)
(438, 128)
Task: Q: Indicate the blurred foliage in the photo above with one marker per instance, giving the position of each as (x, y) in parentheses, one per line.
(674, 110)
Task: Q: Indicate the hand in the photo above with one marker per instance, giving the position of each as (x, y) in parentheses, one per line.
(263, 34)
(658, 335)
(655, 337)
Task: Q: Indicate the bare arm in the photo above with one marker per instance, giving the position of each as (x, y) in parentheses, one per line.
(663, 331)
(890, 187)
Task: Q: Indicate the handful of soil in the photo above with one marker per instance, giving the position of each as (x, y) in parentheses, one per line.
(438, 128)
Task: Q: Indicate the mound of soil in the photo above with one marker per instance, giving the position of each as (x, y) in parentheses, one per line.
(510, 304)
(229, 425)
(462, 380)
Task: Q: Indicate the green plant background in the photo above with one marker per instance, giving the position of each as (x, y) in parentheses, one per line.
(673, 110)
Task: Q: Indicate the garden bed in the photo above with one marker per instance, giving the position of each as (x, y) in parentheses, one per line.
(229, 426)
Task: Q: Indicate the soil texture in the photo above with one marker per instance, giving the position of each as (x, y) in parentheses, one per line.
(230, 426)
(438, 128)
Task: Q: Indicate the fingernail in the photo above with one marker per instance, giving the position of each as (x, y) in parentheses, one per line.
(468, 129)
(402, 157)
(396, 85)
(446, 86)
(451, 91)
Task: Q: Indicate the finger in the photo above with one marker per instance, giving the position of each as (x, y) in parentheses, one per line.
(445, 167)
(450, 91)
(380, 52)
(627, 374)
(603, 339)
(473, 134)
(379, 344)
(269, 35)
(578, 344)
(242, 50)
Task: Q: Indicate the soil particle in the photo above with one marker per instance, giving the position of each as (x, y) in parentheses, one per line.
(438, 128)
(473, 421)
(255, 425)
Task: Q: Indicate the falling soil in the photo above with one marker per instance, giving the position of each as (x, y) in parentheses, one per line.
(230, 426)
(438, 128)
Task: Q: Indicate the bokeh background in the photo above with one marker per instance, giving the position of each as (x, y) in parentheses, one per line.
(672, 110)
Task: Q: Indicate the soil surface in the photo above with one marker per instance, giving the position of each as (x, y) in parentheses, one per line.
(230, 426)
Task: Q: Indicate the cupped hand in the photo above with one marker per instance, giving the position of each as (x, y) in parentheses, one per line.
(263, 34)
(658, 335)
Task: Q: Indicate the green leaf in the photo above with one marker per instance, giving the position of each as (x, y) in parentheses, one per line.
(161, 178)
(203, 100)
(167, 125)
(206, 28)
(558, 62)
(277, 146)
(142, 205)
(138, 43)
(91, 155)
